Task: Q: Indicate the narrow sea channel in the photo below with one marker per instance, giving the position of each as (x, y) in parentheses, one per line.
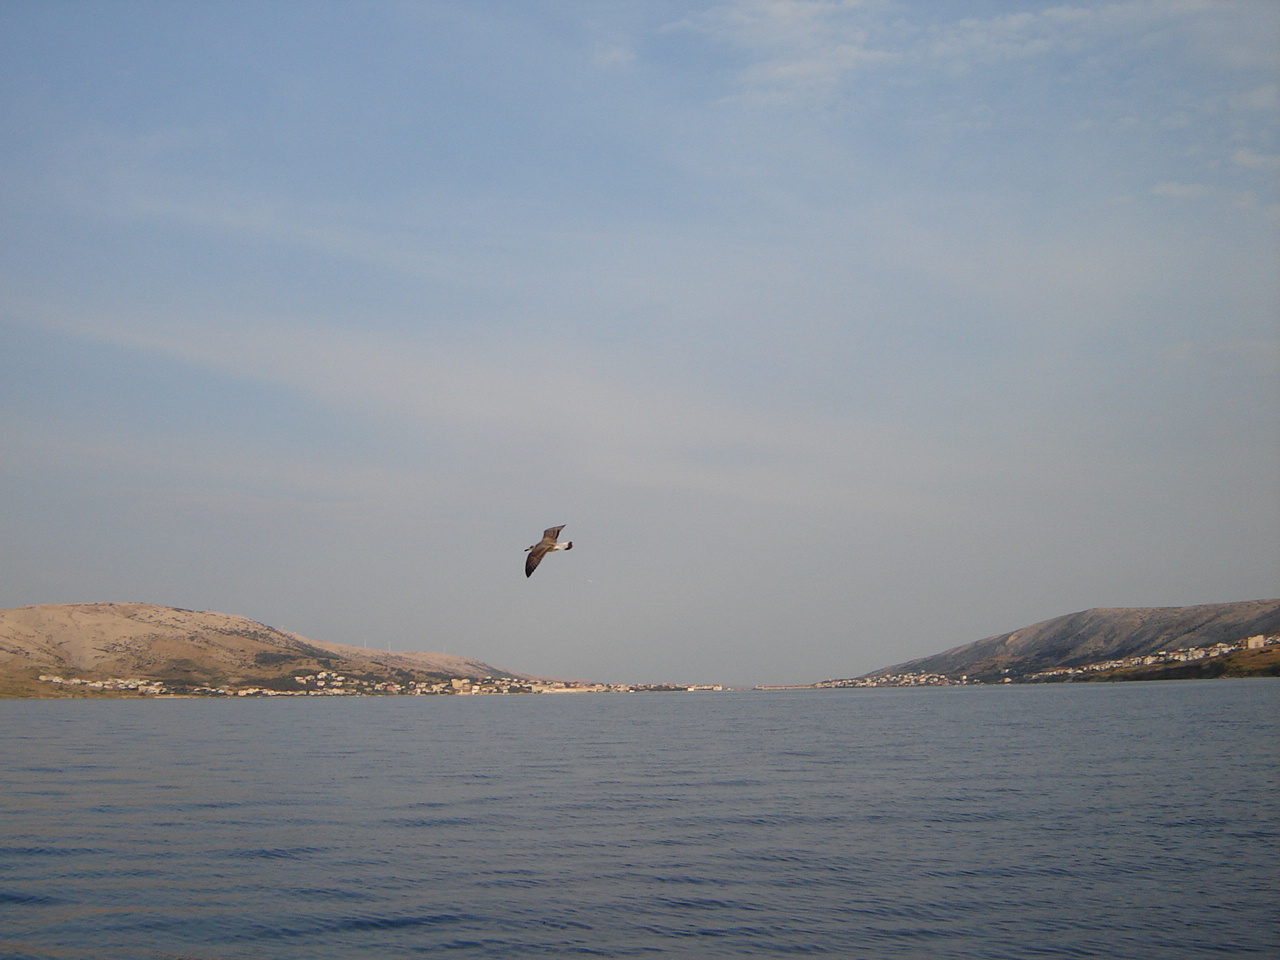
(1103, 820)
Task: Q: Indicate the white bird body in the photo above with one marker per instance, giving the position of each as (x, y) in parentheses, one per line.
(543, 547)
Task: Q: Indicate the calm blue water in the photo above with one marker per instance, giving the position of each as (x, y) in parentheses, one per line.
(1101, 820)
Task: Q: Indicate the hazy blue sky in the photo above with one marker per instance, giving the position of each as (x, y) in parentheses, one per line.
(837, 333)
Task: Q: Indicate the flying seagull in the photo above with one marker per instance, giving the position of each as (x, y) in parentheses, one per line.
(546, 545)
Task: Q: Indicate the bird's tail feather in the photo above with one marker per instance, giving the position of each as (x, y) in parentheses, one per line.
(569, 545)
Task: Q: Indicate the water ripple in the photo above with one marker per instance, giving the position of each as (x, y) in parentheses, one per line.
(980, 824)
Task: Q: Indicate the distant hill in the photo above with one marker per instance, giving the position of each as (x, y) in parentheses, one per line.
(1094, 635)
(187, 648)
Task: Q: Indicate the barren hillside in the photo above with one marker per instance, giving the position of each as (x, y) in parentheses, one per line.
(99, 640)
(1099, 634)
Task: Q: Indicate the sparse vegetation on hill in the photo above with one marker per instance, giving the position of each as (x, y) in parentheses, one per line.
(1095, 636)
(187, 650)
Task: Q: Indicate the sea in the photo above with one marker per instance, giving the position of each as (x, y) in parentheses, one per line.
(1118, 821)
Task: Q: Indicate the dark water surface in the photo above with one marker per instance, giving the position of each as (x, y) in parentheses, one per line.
(1101, 820)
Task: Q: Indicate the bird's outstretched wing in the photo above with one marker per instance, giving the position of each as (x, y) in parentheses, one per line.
(549, 535)
(536, 553)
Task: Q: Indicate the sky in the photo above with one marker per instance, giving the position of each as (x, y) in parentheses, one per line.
(835, 333)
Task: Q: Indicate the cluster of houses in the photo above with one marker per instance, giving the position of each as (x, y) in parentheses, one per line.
(114, 683)
(1180, 655)
(511, 685)
(898, 680)
(331, 683)
(327, 683)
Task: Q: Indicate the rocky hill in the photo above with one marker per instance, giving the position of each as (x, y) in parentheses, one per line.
(186, 648)
(1094, 635)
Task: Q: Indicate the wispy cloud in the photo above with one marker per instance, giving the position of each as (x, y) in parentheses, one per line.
(512, 403)
(1256, 161)
(612, 55)
(212, 475)
(1180, 191)
(807, 51)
